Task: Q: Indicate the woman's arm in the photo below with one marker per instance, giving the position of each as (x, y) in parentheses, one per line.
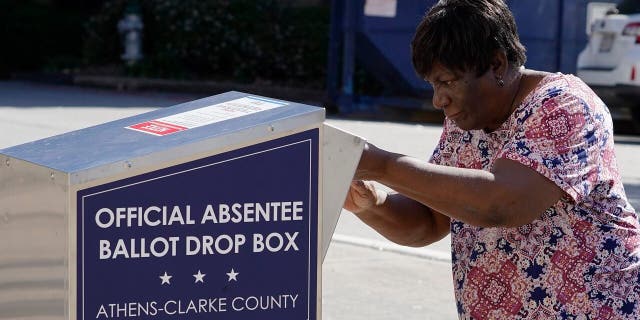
(509, 196)
(396, 217)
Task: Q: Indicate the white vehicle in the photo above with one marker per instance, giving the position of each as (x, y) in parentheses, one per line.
(610, 63)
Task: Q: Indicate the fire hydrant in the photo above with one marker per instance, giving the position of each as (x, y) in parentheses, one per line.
(130, 26)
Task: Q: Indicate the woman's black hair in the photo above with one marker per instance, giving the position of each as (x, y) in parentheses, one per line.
(463, 35)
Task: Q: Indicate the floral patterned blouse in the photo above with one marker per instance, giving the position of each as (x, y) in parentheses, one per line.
(581, 258)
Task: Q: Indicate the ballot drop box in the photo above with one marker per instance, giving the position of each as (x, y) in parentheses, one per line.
(219, 208)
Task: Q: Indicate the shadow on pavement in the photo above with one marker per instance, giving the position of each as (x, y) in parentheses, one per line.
(633, 194)
(31, 94)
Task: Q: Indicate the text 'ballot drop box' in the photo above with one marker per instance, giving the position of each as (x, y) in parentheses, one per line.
(219, 208)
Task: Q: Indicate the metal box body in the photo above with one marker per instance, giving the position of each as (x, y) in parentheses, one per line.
(34, 261)
(152, 217)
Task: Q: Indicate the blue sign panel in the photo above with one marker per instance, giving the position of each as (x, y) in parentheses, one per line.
(231, 236)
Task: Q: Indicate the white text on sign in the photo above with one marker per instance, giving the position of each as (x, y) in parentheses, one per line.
(191, 245)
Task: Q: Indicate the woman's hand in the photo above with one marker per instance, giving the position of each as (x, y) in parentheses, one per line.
(363, 195)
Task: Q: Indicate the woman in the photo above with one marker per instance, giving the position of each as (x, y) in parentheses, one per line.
(524, 178)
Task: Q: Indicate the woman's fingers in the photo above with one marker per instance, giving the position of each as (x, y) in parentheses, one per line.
(361, 196)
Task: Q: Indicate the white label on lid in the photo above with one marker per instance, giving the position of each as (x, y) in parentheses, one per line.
(206, 115)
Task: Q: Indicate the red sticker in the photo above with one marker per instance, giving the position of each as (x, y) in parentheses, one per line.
(157, 128)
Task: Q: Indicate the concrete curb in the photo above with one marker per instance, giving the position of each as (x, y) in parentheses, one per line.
(209, 87)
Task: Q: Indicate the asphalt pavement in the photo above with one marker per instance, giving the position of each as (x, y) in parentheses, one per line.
(364, 275)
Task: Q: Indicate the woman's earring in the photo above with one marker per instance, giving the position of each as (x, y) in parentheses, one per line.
(500, 82)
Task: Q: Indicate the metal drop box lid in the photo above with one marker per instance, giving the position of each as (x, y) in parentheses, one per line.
(104, 149)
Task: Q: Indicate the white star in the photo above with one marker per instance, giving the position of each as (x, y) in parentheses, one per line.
(199, 276)
(232, 275)
(165, 278)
